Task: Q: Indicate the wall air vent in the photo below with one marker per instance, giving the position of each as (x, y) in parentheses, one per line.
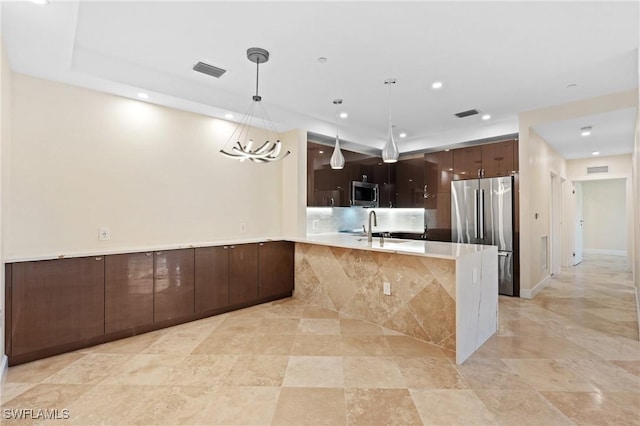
(464, 114)
(209, 69)
(599, 169)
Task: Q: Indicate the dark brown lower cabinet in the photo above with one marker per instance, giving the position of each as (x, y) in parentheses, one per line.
(54, 306)
(173, 286)
(212, 278)
(276, 268)
(56, 302)
(128, 291)
(243, 273)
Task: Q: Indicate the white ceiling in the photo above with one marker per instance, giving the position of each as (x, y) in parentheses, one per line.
(501, 58)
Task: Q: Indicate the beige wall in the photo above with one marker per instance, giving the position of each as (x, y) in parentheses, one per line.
(538, 161)
(619, 167)
(605, 216)
(83, 159)
(294, 187)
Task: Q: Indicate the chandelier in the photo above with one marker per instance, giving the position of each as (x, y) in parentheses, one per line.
(243, 148)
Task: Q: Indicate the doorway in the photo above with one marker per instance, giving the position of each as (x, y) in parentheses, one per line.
(601, 218)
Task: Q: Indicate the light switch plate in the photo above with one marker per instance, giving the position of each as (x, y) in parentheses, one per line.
(386, 288)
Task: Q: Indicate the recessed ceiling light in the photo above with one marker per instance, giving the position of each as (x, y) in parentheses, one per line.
(585, 131)
(322, 59)
(450, 169)
(595, 153)
(228, 116)
(142, 95)
(321, 152)
(486, 117)
(40, 2)
(436, 85)
(447, 150)
(343, 115)
(403, 135)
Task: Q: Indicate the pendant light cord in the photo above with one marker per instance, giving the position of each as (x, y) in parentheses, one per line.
(257, 97)
(335, 119)
(390, 105)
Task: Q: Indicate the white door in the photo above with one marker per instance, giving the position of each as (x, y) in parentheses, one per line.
(579, 225)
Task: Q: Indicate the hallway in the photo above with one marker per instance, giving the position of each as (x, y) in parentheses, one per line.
(569, 356)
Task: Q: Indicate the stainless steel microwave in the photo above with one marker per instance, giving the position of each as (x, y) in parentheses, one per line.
(364, 194)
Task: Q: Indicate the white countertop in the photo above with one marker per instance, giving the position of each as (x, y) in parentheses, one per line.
(345, 240)
(392, 245)
(141, 249)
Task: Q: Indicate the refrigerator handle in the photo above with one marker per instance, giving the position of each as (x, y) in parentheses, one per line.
(475, 210)
(481, 214)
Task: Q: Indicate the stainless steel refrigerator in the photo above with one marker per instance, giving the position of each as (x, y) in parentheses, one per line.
(482, 213)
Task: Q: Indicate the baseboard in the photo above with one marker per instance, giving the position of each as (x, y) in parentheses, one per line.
(526, 293)
(638, 308)
(4, 367)
(609, 252)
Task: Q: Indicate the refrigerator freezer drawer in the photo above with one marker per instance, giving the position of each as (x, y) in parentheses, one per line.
(505, 273)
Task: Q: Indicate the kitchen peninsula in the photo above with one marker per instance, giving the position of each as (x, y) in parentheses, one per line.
(442, 293)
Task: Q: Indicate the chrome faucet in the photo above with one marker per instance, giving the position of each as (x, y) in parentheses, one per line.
(375, 223)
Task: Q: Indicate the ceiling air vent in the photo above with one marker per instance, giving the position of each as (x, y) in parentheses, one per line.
(464, 114)
(599, 169)
(209, 69)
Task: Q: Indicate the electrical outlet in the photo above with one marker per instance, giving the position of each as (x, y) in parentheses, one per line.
(315, 224)
(104, 233)
(386, 288)
(243, 227)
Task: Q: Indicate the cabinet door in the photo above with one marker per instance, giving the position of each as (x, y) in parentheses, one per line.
(212, 278)
(56, 302)
(275, 268)
(128, 291)
(173, 285)
(430, 180)
(410, 183)
(384, 175)
(243, 273)
(467, 162)
(498, 159)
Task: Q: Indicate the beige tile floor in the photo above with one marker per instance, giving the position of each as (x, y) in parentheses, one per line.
(570, 356)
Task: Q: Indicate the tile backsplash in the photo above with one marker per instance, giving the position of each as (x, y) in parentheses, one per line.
(336, 219)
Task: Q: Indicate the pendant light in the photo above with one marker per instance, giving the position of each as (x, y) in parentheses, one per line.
(337, 159)
(268, 151)
(390, 151)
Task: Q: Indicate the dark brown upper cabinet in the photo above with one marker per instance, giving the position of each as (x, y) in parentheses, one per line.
(410, 184)
(56, 302)
(173, 284)
(489, 160)
(212, 278)
(498, 159)
(128, 291)
(467, 163)
(438, 174)
(276, 268)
